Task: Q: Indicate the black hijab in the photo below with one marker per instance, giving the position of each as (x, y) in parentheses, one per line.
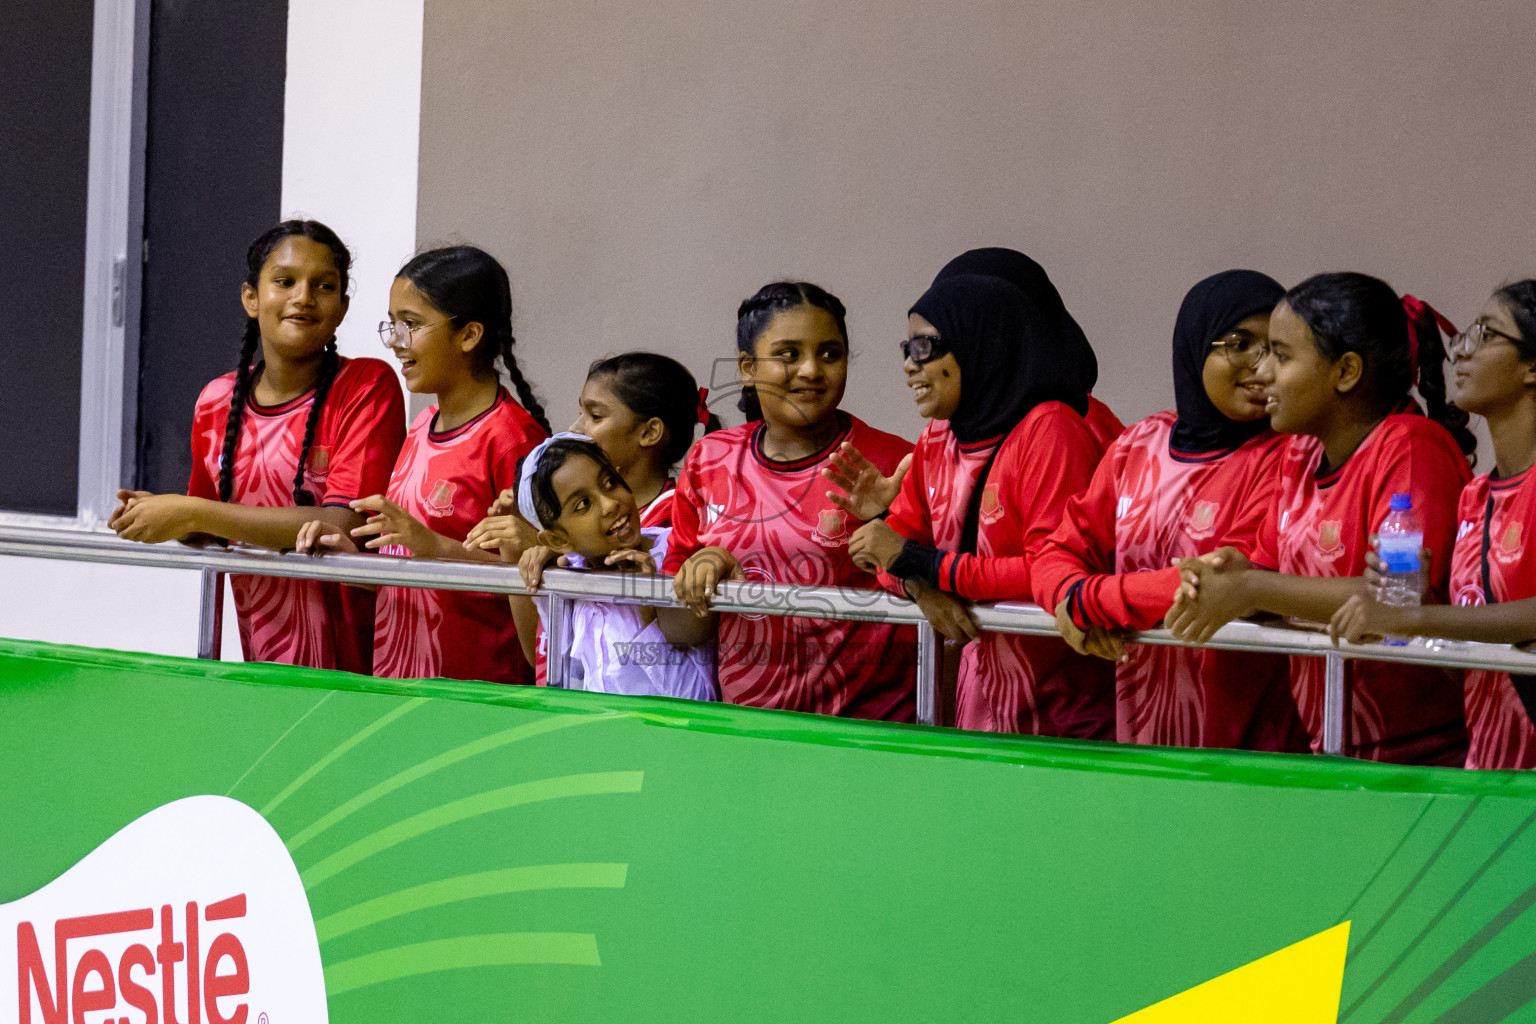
(1030, 278)
(1007, 351)
(1212, 308)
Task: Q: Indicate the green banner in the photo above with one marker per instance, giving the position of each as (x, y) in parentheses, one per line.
(471, 852)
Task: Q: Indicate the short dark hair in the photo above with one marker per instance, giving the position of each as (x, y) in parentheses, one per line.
(545, 502)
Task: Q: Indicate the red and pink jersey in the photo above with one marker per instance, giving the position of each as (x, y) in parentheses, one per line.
(302, 622)
(447, 480)
(1110, 560)
(775, 518)
(1321, 527)
(1493, 516)
(1008, 683)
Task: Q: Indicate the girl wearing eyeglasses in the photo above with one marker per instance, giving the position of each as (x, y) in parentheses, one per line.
(1344, 352)
(1180, 484)
(1007, 446)
(292, 434)
(450, 323)
(1493, 566)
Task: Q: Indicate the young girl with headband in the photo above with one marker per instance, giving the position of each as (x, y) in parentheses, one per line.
(293, 433)
(1344, 352)
(572, 493)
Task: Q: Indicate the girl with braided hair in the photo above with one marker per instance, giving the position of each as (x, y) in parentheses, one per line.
(293, 434)
(450, 324)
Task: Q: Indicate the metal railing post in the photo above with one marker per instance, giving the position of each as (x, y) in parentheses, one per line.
(557, 640)
(927, 673)
(1334, 711)
(210, 616)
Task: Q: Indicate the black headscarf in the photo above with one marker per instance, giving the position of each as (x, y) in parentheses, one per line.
(1212, 308)
(1030, 278)
(1007, 351)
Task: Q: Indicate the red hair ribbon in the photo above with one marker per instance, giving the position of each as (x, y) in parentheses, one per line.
(704, 406)
(1416, 308)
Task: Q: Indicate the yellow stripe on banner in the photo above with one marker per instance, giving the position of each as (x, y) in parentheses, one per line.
(1299, 984)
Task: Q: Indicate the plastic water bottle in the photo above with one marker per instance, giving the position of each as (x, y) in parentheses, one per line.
(1398, 542)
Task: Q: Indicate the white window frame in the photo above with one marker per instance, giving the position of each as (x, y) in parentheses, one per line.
(114, 264)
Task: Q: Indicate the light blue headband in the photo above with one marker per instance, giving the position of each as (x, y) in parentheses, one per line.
(525, 505)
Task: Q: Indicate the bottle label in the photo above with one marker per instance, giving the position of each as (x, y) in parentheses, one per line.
(1401, 554)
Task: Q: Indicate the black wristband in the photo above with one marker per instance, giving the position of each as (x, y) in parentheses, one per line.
(918, 561)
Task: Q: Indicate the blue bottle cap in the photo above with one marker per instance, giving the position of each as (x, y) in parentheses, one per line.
(1402, 502)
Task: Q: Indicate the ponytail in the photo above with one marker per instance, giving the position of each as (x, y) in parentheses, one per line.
(470, 286)
(245, 373)
(1425, 324)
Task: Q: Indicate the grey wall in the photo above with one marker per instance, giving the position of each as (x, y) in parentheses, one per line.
(641, 168)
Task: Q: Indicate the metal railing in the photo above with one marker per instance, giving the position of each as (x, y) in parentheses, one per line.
(562, 586)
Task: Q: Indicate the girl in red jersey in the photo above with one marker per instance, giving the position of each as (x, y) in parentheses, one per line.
(1344, 352)
(1175, 485)
(1493, 566)
(749, 506)
(1007, 447)
(295, 432)
(450, 319)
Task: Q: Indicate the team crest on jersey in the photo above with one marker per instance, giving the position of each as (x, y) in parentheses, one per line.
(1511, 545)
(1202, 521)
(832, 528)
(440, 501)
(991, 505)
(1330, 543)
(319, 460)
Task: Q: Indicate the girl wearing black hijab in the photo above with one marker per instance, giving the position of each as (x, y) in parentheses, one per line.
(1178, 485)
(991, 475)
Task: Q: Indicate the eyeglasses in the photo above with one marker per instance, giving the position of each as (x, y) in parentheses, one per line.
(395, 334)
(923, 348)
(1244, 351)
(1475, 337)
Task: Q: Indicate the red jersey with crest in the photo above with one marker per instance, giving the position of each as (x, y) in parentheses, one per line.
(1110, 559)
(1008, 683)
(1405, 714)
(304, 622)
(1498, 725)
(447, 480)
(775, 518)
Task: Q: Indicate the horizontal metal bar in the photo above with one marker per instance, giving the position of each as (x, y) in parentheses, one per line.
(742, 597)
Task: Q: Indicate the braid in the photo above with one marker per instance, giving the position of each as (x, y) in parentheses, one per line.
(237, 400)
(524, 390)
(329, 364)
(1432, 385)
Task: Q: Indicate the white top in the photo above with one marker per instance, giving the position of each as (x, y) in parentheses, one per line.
(613, 651)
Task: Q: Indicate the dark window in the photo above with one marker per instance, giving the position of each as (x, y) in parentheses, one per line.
(45, 77)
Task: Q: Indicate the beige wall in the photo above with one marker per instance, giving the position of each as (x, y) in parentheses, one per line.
(642, 167)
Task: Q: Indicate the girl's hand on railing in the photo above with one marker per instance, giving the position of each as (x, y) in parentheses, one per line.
(875, 546)
(865, 491)
(631, 560)
(531, 565)
(1096, 641)
(949, 616)
(1211, 594)
(152, 518)
(695, 582)
(391, 524)
(125, 499)
(318, 537)
(510, 535)
(1362, 620)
